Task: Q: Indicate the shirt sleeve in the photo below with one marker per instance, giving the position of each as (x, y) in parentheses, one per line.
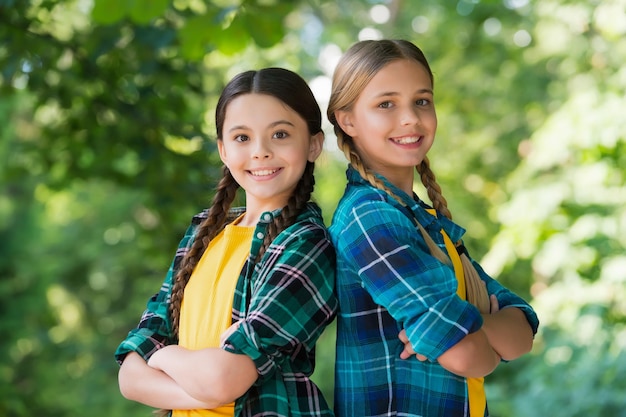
(393, 262)
(291, 303)
(153, 331)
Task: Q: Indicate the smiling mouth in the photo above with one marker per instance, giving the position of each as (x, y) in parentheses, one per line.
(263, 172)
(407, 140)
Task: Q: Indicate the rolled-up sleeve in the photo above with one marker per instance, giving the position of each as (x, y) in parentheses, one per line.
(292, 301)
(154, 330)
(396, 268)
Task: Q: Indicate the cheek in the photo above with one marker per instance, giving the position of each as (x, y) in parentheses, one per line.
(368, 124)
(434, 118)
(431, 119)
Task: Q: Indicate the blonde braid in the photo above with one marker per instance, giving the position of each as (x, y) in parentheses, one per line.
(475, 288)
(427, 176)
(207, 230)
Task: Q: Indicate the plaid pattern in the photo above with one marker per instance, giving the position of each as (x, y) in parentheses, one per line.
(386, 281)
(286, 299)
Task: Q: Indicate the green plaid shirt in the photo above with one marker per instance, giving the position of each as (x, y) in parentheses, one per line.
(286, 301)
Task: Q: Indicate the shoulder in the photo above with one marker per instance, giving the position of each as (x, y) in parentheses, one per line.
(192, 229)
(367, 206)
(199, 217)
(307, 239)
(309, 225)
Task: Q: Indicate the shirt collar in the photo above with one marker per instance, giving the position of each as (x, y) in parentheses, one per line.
(413, 204)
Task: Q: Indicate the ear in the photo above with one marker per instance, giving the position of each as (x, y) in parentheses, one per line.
(316, 146)
(222, 151)
(344, 118)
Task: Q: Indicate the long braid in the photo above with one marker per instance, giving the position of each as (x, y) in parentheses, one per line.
(432, 188)
(207, 230)
(295, 206)
(476, 291)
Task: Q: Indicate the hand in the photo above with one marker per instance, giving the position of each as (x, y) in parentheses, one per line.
(408, 348)
(229, 331)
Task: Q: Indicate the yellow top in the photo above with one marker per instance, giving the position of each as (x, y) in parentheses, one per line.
(206, 310)
(475, 386)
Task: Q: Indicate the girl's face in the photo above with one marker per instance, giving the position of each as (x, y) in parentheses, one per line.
(393, 121)
(266, 146)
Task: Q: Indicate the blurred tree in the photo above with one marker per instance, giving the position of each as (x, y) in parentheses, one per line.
(566, 218)
(106, 150)
(106, 153)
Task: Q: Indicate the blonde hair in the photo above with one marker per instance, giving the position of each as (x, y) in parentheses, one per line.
(355, 70)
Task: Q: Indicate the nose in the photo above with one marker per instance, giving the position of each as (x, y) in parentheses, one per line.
(261, 150)
(409, 116)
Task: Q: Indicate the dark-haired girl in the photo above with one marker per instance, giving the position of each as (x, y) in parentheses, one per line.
(233, 329)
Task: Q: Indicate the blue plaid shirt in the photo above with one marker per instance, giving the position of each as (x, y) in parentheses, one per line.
(286, 301)
(388, 281)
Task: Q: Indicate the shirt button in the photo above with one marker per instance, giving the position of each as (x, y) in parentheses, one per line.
(267, 217)
(259, 235)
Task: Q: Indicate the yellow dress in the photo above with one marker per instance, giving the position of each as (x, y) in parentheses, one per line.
(206, 310)
(475, 386)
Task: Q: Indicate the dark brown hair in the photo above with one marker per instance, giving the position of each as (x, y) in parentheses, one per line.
(292, 90)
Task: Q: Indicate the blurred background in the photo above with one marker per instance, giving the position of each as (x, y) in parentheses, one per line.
(107, 149)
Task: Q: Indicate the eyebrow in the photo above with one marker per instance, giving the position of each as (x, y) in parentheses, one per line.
(273, 124)
(393, 93)
(281, 122)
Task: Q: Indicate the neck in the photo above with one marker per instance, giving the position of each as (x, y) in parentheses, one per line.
(403, 180)
(249, 219)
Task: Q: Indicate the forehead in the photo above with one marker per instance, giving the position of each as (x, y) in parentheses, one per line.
(400, 76)
(255, 109)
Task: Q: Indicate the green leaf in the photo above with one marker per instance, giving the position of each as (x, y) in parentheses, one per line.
(266, 23)
(143, 11)
(233, 38)
(107, 12)
(197, 35)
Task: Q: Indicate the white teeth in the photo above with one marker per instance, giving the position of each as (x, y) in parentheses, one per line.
(263, 172)
(407, 140)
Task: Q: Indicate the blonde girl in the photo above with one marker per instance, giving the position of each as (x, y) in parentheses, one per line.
(419, 324)
(233, 329)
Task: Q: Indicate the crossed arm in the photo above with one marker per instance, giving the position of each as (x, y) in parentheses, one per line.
(170, 379)
(505, 334)
(507, 331)
(178, 378)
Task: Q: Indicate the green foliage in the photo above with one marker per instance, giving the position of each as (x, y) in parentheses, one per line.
(107, 148)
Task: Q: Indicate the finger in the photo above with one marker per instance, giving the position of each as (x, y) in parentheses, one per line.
(403, 337)
(495, 306)
(420, 358)
(407, 352)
